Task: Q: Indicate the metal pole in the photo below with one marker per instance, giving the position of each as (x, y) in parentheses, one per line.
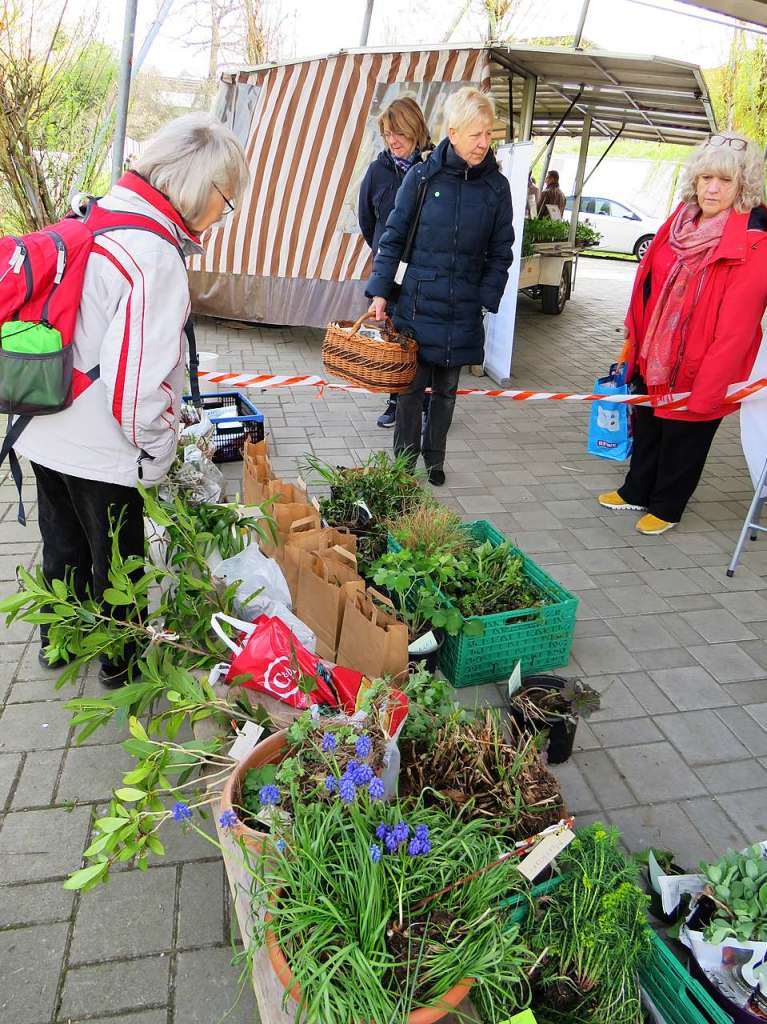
(366, 22)
(581, 23)
(511, 107)
(123, 93)
(547, 162)
(527, 109)
(599, 161)
(579, 176)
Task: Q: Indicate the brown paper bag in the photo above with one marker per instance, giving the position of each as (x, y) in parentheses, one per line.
(256, 472)
(341, 565)
(372, 641)
(320, 603)
(323, 538)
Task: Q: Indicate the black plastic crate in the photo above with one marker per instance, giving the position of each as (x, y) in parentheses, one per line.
(237, 422)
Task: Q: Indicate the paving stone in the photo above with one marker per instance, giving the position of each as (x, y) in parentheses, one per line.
(607, 784)
(656, 772)
(733, 776)
(758, 712)
(25, 691)
(616, 700)
(639, 599)
(642, 632)
(40, 903)
(9, 768)
(747, 693)
(664, 826)
(670, 582)
(120, 985)
(201, 905)
(748, 811)
(701, 737)
(728, 663)
(584, 737)
(626, 732)
(133, 915)
(36, 845)
(31, 959)
(746, 607)
(750, 733)
(719, 832)
(38, 779)
(672, 657)
(143, 1017)
(39, 726)
(598, 655)
(718, 627)
(92, 772)
(205, 990)
(691, 688)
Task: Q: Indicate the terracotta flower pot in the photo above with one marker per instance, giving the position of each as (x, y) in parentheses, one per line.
(425, 1015)
(270, 751)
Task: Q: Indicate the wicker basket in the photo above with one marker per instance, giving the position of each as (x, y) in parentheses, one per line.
(388, 365)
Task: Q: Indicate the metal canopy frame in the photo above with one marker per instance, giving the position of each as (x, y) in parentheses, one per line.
(754, 11)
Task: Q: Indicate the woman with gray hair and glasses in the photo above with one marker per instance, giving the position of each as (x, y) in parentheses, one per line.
(129, 340)
(694, 325)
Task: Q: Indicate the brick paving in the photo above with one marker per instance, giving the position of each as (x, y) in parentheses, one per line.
(676, 757)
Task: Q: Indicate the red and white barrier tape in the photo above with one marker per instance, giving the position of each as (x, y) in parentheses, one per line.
(735, 393)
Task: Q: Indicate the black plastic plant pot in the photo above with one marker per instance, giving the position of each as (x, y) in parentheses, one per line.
(561, 727)
(431, 659)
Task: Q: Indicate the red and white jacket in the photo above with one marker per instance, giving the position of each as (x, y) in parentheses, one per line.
(135, 303)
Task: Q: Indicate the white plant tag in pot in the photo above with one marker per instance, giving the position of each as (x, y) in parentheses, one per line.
(247, 740)
(425, 644)
(545, 852)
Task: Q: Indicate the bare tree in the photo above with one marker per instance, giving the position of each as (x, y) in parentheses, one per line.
(54, 87)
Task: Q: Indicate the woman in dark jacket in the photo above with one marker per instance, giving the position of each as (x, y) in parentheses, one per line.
(405, 135)
(458, 268)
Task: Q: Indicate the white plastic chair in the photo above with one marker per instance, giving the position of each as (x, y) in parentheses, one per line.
(751, 525)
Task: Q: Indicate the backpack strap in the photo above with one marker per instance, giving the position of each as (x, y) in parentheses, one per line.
(194, 363)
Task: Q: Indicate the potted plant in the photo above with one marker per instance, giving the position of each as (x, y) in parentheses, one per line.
(554, 704)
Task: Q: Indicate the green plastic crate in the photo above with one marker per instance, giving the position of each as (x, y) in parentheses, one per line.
(519, 905)
(677, 996)
(539, 638)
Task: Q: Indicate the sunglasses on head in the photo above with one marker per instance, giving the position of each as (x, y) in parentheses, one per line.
(724, 140)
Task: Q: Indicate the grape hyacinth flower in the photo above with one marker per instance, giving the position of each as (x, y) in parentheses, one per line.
(390, 841)
(401, 832)
(376, 791)
(346, 790)
(363, 746)
(414, 847)
(422, 832)
(268, 796)
(281, 844)
(181, 811)
(381, 831)
(331, 783)
(228, 819)
(375, 852)
(362, 775)
(328, 742)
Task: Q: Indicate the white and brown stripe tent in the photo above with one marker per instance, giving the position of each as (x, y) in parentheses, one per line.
(292, 252)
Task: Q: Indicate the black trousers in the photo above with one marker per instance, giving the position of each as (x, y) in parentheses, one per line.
(74, 519)
(443, 381)
(666, 462)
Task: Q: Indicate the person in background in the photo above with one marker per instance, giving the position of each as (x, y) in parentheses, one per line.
(458, 268)
(533, 196)
(123, 429)
(406, 142)
(694, 325)
(552, 195)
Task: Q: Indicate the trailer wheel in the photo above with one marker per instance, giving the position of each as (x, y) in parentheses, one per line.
(554, 297)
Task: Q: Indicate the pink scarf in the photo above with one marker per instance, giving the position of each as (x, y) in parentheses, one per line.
(662, 350)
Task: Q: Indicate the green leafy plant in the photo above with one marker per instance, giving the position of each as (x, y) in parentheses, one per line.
(412, 581)
(543, 229)
(540, 704)
(430, 529)
(430, 704)
(737, 884)
(491, 579)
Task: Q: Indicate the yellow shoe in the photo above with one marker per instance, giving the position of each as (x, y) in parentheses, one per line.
(652, 526)
(614, 501)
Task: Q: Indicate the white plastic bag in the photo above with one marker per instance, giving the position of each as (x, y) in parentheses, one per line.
(255, 572)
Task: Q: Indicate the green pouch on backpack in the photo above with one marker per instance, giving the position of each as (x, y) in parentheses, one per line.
(29, 339)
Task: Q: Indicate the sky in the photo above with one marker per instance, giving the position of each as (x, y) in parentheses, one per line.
(311, 27)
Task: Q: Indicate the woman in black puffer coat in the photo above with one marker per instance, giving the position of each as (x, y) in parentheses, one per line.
(458, 268)
(406, 138)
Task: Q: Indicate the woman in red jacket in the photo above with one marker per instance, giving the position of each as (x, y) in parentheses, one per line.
(694, 325)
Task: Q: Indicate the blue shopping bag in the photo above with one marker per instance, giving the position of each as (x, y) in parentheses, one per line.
(610, 424)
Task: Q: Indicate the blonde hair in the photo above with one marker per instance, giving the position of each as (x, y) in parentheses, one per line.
(745, 167)
(404, 117)
(463, 106)
(190, 155)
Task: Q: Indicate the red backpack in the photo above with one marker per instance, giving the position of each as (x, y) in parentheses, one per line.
(41, 284)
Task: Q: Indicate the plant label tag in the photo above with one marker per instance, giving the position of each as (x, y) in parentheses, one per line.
(526, 1017)
(545, 852)
(273, 817)
(515, 679)
(423, 644)
(315, 504)
(246, 741)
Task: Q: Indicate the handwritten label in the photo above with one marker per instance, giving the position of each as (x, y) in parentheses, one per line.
(515, 679)
(246, 741)
(423, 644)
(545, 852)
(273, 817)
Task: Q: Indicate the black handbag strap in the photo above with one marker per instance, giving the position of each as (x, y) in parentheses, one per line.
(423, 186)
(194, 363)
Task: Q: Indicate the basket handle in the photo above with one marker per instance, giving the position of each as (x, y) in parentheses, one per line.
(367, 316)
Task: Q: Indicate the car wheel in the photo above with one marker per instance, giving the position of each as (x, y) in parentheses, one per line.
(642, 246)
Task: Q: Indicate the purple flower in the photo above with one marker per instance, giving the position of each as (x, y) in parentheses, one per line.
(281, 844)
(328, 742)
(381, 830)
(331, 783)
(422, 832)
(390, 841)
(414, 847)
(401, 832)
(351, 768)
(376, 791)
(375, 852)
(346, 790)
(425, 846)
(268, 795)
(362, 775)
(362, 749)
(228, 819)
(181, 812)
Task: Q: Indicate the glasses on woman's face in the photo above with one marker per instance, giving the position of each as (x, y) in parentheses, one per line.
(724, 140)
(393, 135)
(229, 204)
